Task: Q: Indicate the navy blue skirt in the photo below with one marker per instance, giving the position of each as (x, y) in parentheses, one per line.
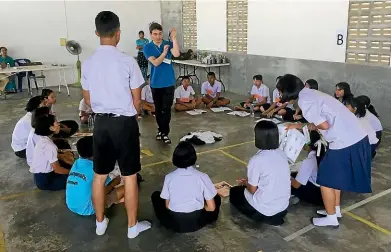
(347, 169)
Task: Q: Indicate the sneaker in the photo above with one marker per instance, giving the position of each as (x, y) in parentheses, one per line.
(323, 213)
(293, 200)
(102, 226)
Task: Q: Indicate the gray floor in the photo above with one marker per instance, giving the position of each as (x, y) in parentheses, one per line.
(33, 220)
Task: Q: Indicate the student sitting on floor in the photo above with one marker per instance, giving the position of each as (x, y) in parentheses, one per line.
(264, 195)
(84, 112)
(260, 97)
(67, 127)
(23, 127)
(48, 173)
(342, 92)
(189, 200)
(286, 110)
(303, 183)
(185, 96)
(311, 84)
(211, 91)
(358, 108)
(79, 184)
(147, 98)
(372, 116)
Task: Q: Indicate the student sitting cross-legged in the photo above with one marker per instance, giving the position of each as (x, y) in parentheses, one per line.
(84, 112)
(147, 103)
(211, 91)
(264, 195)
(48, 173)
(185, 96)
(260, 97)
(79, 183)
(303, 183)
(189, 200)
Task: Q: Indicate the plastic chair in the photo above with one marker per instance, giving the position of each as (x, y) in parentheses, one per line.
(31, 75)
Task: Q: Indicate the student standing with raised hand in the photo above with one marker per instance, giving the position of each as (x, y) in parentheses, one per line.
(347, 164)
(159, 52)
(111, 82)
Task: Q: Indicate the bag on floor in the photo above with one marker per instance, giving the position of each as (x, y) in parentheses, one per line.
(202, 137)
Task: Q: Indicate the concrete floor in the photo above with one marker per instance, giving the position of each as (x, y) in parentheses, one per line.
(33, 220)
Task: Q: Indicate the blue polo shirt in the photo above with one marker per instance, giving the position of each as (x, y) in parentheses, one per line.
(79, 187)
(163, 75)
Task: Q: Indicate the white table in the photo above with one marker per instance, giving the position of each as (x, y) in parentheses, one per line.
(184, 64)
(50, 67)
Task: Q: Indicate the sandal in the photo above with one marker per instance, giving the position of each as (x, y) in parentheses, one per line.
(159, 136)
(166, 139)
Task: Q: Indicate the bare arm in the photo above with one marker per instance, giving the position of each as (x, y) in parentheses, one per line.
(175, 51)
(136, 95)
(86, 96)
(116, 181)
(295, 183)
(167, 203)
(59, 169)
(251, 189)
(210, 205)
(157, 61)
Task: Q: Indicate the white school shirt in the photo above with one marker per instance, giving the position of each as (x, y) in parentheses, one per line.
(211, 90)
(187, 189)
(344, 127)
(45, 154)
(260, 93)
(182, 93)
(146, 94)
(308, 170)
(276, 99)
(32, 140)
(21, 133)
(364, 122)
(375, 122)
(109, 75)
(84, 107)
(269, 171)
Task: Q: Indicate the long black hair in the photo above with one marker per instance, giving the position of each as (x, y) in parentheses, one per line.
(346, 90)
(367, 102)
(358, 105)
(289, 86)
(315, 136)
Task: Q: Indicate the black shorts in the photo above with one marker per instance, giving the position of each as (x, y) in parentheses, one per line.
(289, 114)
(116, 138)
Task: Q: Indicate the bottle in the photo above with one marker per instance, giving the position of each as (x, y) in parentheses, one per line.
(8, 65)
(90, 122)
(252, 110)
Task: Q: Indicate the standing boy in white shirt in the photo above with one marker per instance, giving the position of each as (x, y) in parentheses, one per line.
(211, 91)
(111, 82)
(260, 97)
(185, 96)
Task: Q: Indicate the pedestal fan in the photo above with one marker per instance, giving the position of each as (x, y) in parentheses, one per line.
(74, 48)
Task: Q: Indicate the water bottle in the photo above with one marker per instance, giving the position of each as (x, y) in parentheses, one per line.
(252, 110)
(90, 122)
(8, 65)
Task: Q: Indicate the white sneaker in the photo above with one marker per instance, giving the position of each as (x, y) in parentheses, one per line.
(293, 200)
(134, 231)
(328, 221)
(324, 213)
(102, 226)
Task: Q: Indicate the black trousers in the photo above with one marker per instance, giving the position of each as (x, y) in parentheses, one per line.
(70, 124)
(183, 222)
(163, 99)
(238, 200)
(21, 154)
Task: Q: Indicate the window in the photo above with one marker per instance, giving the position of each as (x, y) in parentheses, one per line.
(237, 12)
(369, 33)
(189, 24)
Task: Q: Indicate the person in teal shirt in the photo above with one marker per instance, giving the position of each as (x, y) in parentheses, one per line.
(4, 61)
(141, 60)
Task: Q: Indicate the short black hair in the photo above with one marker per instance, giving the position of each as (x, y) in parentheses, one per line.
(278, 78)
(34, 103)
(313, 84)
(266, 135)
(358, 105)
(347, 93)
(258, 77)
(367, 102)
(46, 92)
(39, 112)
(212, 74)
(289, 86)
(1, 47)
(184, 155)
(155, 26)
(43, 124)
(141, 32)
(85, 147)
(185, 78)
(107, 23)
(314, 137)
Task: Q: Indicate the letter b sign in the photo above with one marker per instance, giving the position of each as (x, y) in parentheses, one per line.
(340, 40)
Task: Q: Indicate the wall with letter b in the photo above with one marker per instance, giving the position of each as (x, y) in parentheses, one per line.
(301, 29)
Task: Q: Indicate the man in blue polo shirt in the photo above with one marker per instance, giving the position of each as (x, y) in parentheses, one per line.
(159, 53)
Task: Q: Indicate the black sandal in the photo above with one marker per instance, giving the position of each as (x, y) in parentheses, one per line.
(166, 139)
(159, 136)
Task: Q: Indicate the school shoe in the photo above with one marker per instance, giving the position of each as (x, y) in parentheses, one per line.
(102, 226)
(328, 221)
(337, 212)
(134, 231)
(159, 136)
(166, 139)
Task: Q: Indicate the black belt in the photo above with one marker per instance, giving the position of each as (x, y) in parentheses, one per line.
(112, 115)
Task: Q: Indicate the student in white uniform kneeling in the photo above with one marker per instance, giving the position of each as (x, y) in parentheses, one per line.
(347, 163)
(303, 183)
(189, 200)
(185, 96)
(264, 195)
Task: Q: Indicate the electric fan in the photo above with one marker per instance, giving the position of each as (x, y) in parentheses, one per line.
(74, 48)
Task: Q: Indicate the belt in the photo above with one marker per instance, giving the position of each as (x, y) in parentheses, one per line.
(108, 114)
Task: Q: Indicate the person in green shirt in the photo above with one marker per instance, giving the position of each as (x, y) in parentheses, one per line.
(4, 61)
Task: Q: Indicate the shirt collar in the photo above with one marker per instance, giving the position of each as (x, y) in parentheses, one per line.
(107, 47)
(187, 170)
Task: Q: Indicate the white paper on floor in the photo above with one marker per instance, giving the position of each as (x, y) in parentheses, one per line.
(239, 113)
(220, 109)
(196, 112)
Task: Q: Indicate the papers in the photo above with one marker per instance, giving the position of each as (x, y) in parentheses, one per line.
(239, 113)
(295, 167)
(293, 144)
(196, 112)
(223, 188)
(220, 109)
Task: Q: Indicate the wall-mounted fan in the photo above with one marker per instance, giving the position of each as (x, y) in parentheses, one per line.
(74, 48)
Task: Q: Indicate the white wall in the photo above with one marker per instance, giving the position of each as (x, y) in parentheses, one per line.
(37, 35)
(212, 25)
(303, 29)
